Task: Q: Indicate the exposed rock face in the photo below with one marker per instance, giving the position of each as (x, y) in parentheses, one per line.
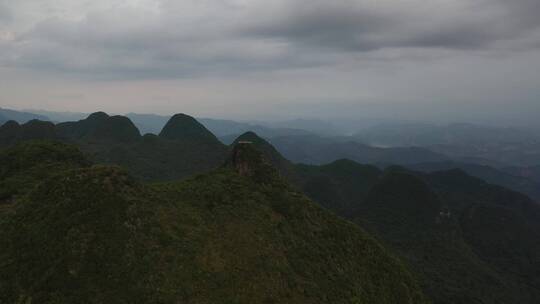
(285, 167)
(250, 162)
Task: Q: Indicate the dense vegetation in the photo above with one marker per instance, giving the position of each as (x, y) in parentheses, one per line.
(115, 140)
(468, 241)
(237, 235)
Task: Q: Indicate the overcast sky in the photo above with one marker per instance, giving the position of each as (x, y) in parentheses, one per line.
(461, 60)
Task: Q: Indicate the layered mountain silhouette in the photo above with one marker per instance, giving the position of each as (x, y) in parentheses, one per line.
(513, 178)
(19, 116)
(243, 231)
(318, 150)
(466, 142)
(183, 148)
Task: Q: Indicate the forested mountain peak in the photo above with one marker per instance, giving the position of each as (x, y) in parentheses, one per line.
(184, 127)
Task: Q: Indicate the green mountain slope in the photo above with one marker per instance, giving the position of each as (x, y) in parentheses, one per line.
(100, 127)
(12, 132)
(237, 235)
(284, 166)
(184, 127)
(467, 241)
(186, 147)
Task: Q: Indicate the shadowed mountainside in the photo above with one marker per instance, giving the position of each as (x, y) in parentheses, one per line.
(467, 240)
(239, 234)
(184, 148)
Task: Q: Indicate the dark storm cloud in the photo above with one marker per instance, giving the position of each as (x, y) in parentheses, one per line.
(349, 25)
(188, 38)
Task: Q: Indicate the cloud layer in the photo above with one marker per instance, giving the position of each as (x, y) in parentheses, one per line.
(184, 38)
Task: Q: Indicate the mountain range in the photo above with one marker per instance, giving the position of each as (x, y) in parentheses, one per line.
(468, 241)
(296, 145)
(181, 217)
(484, 145)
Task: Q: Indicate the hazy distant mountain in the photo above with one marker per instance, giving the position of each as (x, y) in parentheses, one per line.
(525, 185)
(19, 116)
(453, 134)
(532, 172)
(314, 126)
(322, 150)
(228, 130)
(148, 123)
(507, 146)
(60, 116)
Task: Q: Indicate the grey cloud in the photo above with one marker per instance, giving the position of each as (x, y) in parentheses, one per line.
(212, 37)
(348, 25)
(5, 13)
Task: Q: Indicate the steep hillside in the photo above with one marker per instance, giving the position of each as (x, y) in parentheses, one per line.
(284, 166)
(338, 186)
(25, 165)
(467, 240)
(237, 235)
(410, 218)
